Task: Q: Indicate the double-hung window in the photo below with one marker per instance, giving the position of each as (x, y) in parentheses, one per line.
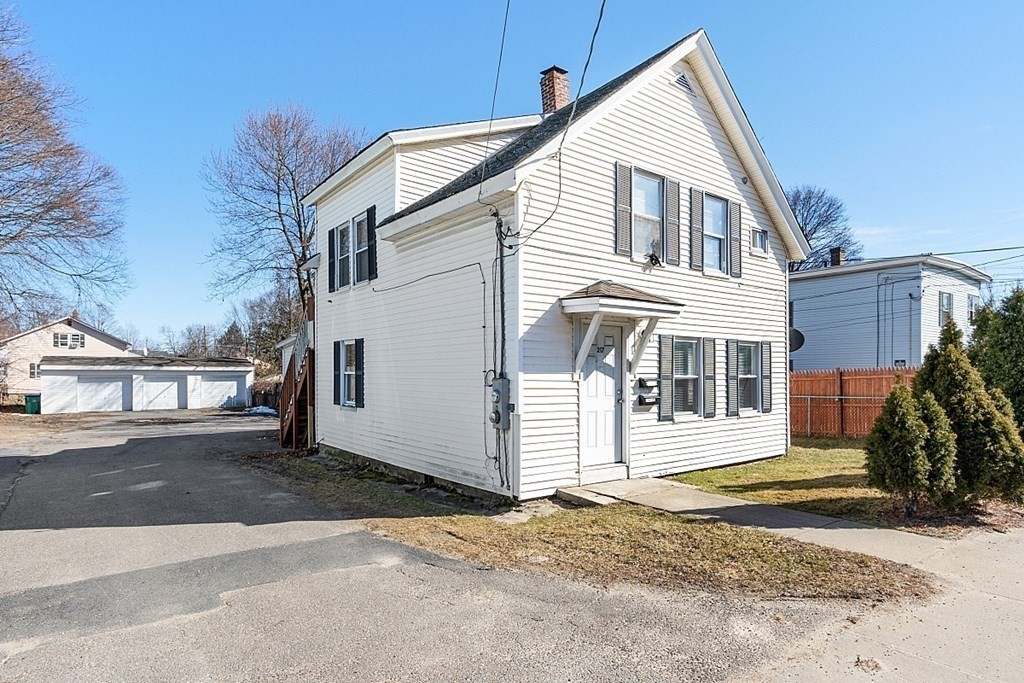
(716, 234)
(68, 341)
(344, 255)
(33, 370)
(685, 376)
(648, 215)
(945, 307)
(748, 375)
(973, 304)
(361, 248)
(348, 384)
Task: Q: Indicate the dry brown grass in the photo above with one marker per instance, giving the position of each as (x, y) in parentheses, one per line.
(618, 543)
(17, 427)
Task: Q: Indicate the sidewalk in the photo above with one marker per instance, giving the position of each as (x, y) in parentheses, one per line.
(670, 496)
(973, 631)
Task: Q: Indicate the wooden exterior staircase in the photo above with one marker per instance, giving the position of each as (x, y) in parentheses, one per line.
(298, 388)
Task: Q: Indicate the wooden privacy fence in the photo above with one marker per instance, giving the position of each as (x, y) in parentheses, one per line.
(840, 402)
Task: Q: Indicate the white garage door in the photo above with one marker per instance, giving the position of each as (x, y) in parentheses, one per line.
(223, 390)
(162, 393)
(97, 394)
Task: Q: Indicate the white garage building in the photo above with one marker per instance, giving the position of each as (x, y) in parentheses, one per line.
(82, 385)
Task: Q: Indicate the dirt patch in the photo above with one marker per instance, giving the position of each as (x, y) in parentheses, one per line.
(18, 427)
(615, 544)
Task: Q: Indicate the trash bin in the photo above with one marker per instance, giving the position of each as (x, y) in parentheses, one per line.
(31, 404)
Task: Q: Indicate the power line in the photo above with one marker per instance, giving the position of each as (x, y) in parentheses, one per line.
(494, 100)
(565, 131)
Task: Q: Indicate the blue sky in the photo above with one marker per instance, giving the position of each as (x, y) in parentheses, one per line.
(908, 111)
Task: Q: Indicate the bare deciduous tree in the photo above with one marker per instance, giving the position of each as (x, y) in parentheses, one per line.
(823, 218)
(60, 207)
(267, 319)
(256, 186)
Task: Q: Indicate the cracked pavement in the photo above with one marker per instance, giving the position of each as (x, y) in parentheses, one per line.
(135, 550)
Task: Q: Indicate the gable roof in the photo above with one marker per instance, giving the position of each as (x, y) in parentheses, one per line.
(412, 136)
(940, 262)
(502, 171)
(73, 322)
(523, 147)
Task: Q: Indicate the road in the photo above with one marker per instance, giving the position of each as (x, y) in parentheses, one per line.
(135, 549)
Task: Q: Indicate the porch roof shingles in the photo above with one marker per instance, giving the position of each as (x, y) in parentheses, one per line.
(614, 290)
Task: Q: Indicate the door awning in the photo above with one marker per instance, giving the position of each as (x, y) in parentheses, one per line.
(606, 298)
(612, 298)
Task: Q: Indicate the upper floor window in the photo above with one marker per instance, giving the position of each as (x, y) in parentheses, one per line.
(68, 341)
(361, 248)
(973, 304)
(648, 195)
(716, 232)
(758, 241)
(344, 257)
(945, 307)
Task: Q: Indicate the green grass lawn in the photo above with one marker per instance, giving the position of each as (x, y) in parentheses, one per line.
(824, 476)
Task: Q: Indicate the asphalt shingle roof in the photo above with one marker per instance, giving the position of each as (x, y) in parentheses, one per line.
(146, 361)
(509, 156)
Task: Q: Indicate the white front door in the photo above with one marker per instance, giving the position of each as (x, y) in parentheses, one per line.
(601, 410)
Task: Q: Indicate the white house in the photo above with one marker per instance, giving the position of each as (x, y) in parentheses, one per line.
(881, 313)
(532, 303)
(21, 354)
(76, 384)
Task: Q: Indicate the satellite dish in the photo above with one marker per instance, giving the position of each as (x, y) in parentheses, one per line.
(796, 339)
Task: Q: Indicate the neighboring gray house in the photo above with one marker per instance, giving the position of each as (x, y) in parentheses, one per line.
(880, 313)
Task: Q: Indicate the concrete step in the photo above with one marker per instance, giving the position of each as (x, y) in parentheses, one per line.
(577, 495)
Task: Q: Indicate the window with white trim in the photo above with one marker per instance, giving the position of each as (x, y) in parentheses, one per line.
(348, 379)
(973, 304)
(749, 375)
(716, 234)
(758, 241)
(648, 215)
(68, 341)
(945, 307)
(33, 370)
(361, 248)
(686, 376)
(344, 258)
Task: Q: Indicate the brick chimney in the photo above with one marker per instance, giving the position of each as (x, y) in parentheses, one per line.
(554, 88)
(837, 256)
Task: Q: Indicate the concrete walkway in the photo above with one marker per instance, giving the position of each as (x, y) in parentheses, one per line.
(670, 496)
(972, 631)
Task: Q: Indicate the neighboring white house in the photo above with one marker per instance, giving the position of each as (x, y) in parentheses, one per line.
(20, 354)
(614, 309)
(74, 384)
(881, 313)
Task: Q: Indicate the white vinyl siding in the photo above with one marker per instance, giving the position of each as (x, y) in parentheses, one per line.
(32, 347)
(426, 167)
(665, 129)
(425, 347)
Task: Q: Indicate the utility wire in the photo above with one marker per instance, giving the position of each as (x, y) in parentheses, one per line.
(565, 131)
(494, 100)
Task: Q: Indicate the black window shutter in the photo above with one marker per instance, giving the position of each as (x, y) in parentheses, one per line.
(732, 378)
(665, 377)
(672, 222)
(360, 401)
(766, 377)
(332, 259)
(735, 240)
(696, 228)
(623, 209)
(709, 378)
(371, 239)
(56, 340)
(337, 373)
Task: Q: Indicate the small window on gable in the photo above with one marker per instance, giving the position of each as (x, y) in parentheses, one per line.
(758, 241)
(683, 82)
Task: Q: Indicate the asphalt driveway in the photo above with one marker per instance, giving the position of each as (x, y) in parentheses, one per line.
(134, 549)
